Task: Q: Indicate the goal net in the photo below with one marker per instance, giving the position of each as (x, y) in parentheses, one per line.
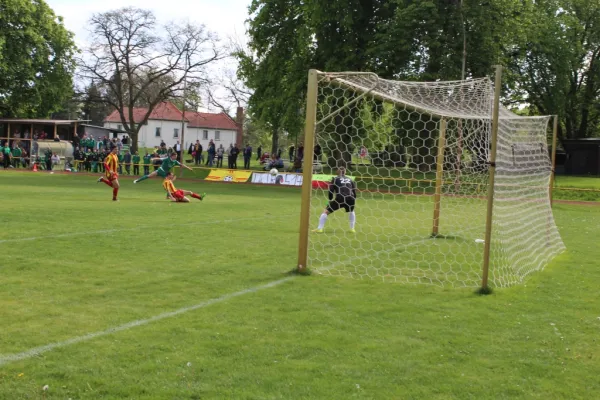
(419, 154)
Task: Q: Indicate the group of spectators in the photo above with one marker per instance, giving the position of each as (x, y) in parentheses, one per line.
(89, 153)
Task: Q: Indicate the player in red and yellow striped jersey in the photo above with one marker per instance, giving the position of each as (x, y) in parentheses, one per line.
(111, 178)
(178, 195)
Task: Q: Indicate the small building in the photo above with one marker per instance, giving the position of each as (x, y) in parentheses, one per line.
(166, 120)
(583, 156)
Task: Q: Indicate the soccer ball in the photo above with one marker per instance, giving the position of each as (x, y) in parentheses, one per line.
(274, 171)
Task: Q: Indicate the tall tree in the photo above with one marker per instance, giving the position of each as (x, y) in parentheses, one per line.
(557, 69)
(36, 59)
(275, 65)
(139, 62)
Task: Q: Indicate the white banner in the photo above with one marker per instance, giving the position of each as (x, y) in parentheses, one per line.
(279, 179)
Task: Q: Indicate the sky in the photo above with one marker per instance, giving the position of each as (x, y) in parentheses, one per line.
(223, 17)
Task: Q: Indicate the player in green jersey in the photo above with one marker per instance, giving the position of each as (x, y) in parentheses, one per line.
(165, 167)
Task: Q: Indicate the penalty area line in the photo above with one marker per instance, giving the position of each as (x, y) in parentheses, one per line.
(36, 351)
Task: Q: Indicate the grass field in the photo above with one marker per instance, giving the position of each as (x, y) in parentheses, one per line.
(145, 299)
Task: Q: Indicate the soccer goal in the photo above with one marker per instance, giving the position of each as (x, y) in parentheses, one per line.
(452, 188)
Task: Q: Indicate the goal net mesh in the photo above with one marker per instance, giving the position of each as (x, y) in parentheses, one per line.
(419, 154)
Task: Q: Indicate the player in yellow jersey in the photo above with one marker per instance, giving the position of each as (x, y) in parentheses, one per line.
(178, 196)
(111, 178)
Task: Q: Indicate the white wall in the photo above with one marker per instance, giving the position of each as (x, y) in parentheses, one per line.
(147, 136)
(227, 137)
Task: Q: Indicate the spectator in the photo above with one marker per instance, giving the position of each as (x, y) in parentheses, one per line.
(48, 155)
(16, 156)
(127, 162)
(235, 151)
(229, 157)
(162, 150)
(197, 152)
(279, 152)
(191, 152)
(76, 140)
(264, 158)
(147, 160)
(136, 163)
(94, 157)
(220, 153)
(300, 152)
(120, 158)
(247, 156)
(211, 153)
(34, 147)
(201, 154)
(291, 152)
(317, 152)
(177, 149)
(24, 159)
(7, 155)
(259, 152)
(125, 139)
(297, 165)
(55, 160)
(276, 162)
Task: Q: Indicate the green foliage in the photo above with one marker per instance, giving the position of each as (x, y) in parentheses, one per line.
(556, 63)
(36, 59)
(551, 49)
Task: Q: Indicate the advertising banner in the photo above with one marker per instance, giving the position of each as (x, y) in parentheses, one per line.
(266, 178)
(228, 175)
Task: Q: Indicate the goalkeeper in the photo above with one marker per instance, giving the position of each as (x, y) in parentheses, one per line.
(342, 194)
(164, 168)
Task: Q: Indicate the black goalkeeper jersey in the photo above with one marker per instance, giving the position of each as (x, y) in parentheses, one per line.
(342, 188)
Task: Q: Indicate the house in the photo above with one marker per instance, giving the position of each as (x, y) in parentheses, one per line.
(165, 122)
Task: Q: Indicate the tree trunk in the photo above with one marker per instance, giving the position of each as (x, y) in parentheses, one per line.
(275, 141)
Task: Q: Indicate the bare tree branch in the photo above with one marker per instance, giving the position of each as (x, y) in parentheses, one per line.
(137, 63)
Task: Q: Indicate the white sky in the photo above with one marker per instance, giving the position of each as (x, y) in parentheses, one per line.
(224, 17)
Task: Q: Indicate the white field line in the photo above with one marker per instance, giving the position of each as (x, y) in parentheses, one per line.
(62, 235)
(8, 358)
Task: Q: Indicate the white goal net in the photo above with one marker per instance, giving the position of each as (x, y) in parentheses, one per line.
(419, 155)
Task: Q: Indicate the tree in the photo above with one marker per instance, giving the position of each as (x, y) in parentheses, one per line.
(136, 65)
(275, 65)
(94, 108)
(36, 59)
(557, 69)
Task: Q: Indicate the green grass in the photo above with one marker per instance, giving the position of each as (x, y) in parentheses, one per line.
(577, 188)
(313, 337)
(579, 182)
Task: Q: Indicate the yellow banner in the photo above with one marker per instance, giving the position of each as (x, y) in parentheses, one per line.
(228, 175)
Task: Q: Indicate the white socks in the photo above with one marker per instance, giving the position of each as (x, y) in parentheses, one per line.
(352, 219)
(322, 221)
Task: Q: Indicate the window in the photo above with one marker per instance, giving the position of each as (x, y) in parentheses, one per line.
(119, 127)
(205, 135)
(175, 132)
(157, 134)
(217, 135)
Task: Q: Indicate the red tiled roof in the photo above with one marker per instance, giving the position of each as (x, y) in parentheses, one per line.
(169, 112)
(211, 121)
(163, 111)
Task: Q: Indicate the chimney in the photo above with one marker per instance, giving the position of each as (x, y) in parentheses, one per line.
(239, 120)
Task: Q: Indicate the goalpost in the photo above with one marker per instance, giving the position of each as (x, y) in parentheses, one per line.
(454, 190)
